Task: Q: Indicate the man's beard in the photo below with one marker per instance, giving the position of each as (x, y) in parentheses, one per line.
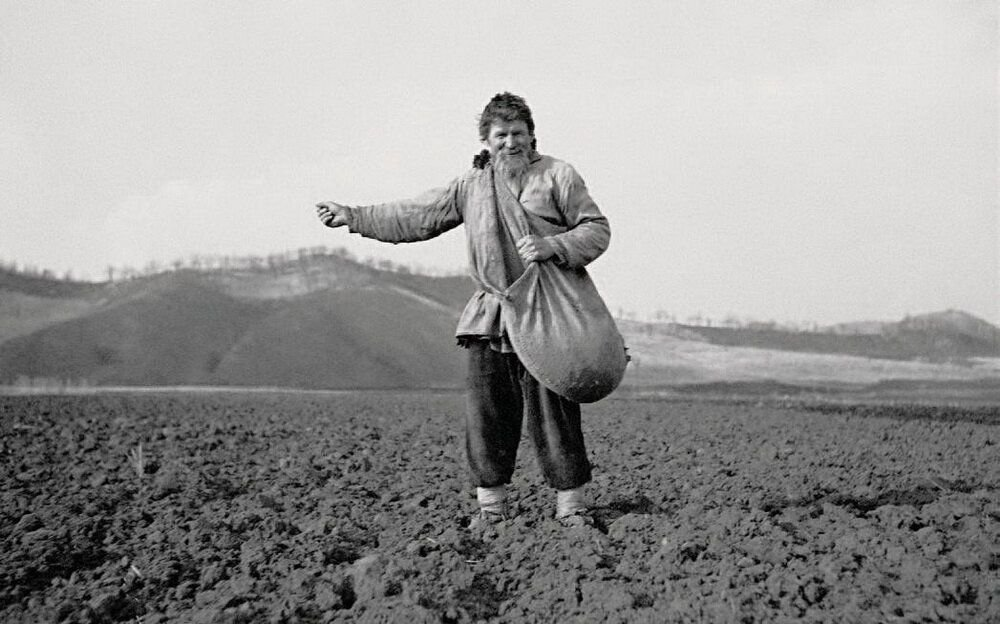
(511, 166)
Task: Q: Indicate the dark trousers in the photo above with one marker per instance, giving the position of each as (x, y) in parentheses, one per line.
(501, 394)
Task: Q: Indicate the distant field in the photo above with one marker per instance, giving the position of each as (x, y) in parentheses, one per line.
(350, 507)
(669, 360)
(665, 364)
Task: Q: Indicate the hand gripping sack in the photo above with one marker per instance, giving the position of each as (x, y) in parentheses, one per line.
(563, 333)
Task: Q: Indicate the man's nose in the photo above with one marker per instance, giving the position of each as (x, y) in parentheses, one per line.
(510, 142)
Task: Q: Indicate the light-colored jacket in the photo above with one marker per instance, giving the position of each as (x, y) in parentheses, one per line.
(558, 207)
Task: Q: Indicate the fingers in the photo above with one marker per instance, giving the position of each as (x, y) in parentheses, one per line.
(529, 242)
(532, 254)
(331, 214)
(533, 248)
(527, 248)
(325, 216)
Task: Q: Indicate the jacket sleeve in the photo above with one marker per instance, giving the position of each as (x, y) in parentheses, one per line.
(588, 232)
(410, 220)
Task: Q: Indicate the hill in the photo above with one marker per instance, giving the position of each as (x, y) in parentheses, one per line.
(938, 337)
(322, 320)
(947, 356)
(318, 322)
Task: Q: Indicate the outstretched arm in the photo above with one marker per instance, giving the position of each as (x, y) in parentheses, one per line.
(427, 216)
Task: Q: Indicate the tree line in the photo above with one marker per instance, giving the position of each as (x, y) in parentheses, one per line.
(273, 262)
(730, 321)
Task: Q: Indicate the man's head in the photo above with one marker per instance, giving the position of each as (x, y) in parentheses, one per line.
(508, 132)
(505, 107)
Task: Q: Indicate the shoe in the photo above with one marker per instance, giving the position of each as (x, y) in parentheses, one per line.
(485, 519)
(577, 520)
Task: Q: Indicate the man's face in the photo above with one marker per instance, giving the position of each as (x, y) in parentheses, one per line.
(508, 138)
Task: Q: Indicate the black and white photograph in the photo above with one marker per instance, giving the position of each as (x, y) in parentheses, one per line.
(499, 312)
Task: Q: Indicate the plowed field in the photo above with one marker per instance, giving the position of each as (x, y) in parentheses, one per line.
(269, 507)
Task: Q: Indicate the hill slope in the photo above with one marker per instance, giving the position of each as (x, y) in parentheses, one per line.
(167, 335)
(367, 338)
(324, 322)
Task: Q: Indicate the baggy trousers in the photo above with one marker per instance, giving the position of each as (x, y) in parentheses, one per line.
(502, 394)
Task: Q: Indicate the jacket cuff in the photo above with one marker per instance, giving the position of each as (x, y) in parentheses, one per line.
(562, 255)
(352, 219)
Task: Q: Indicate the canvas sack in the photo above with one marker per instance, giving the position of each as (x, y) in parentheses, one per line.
(563, 333)
(558, 323)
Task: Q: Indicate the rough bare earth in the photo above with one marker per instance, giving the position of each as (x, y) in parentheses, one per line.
(351, 507)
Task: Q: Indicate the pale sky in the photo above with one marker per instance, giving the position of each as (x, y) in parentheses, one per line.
(820, 161)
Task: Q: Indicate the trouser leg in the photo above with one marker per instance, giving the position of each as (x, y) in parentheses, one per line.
(493, 415)
(554, 427)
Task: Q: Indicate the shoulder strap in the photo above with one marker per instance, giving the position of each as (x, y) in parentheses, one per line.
(516, 213)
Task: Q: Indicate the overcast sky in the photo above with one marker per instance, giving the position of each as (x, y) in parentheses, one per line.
(797, 160)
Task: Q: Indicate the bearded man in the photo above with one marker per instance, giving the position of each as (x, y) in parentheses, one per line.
(567, 228)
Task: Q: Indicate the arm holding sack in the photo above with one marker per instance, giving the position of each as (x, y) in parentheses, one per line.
(588, 232)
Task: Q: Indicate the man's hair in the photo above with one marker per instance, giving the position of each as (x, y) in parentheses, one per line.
(505, 107)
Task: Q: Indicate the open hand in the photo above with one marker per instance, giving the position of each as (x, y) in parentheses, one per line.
(535, 249)
(331, 214)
